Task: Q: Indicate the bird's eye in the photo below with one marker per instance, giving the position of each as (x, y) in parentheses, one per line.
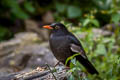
(57, 27)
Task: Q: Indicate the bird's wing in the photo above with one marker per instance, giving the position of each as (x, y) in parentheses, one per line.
(76, 46)
(77, 49)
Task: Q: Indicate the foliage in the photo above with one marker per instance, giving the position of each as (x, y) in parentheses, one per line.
(87, 13)
(5, 33)
(96, 12)
(103, 54)
(12, 10)
(15, 9)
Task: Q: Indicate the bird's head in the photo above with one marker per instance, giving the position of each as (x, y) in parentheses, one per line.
(55, 26)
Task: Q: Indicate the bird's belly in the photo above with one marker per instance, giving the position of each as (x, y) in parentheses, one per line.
(61, 51)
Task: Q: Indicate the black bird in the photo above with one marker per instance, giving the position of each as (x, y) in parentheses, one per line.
(64, 44)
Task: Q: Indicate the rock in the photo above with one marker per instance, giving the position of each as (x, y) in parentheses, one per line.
(33, 26)
(96, 32)
(20, 39)
(24, 51)
(111, 27)
(99, 32)
(48, 17)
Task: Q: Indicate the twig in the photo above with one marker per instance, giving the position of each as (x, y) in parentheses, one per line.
(51, 72)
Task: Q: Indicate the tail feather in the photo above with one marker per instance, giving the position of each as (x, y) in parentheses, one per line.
(86, 63)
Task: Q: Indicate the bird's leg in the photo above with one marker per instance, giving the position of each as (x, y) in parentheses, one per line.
(57, 63)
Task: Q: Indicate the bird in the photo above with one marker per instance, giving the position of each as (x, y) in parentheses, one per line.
(64, 44)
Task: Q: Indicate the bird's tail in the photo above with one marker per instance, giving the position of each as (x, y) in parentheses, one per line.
(86, 63)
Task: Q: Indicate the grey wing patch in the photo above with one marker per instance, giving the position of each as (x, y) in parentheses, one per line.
(77, 49)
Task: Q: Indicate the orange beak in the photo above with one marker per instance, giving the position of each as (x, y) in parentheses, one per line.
(47, 27)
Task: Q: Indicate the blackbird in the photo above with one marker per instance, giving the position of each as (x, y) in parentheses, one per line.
(64, 44)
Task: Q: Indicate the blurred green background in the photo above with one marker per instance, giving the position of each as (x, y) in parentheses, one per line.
(87, 13)
(79, 16)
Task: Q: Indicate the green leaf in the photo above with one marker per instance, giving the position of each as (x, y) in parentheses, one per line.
(28, 6)
(71, 65)
(71, 77)
(103, 4)
(19, 13)
(116, 18)
(61, 7)
(73, 12)
(95, 22)
(72, 69)
(101, 50)
(4, 32)
(71, 57)
(15, 9)
(86, 22)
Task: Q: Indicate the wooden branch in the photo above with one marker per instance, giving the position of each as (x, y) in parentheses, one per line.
(41, 74)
